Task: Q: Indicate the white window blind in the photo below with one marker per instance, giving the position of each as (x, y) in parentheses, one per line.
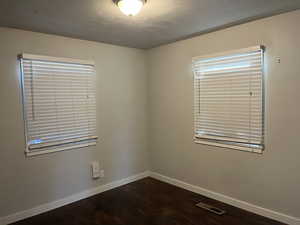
(228, 95)
(59, 103)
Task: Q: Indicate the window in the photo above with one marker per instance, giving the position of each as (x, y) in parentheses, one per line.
(229, 103)
(59, 103)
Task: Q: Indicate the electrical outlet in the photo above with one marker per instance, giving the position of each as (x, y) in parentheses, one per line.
(278, 60)
(95, 168)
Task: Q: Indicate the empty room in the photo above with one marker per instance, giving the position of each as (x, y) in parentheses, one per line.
(149, 112)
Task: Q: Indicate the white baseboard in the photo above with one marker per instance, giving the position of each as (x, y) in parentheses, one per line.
(70, 199)
(88, 193)
(229, 200)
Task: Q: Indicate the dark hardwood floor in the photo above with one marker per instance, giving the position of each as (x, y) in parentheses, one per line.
(145, 202)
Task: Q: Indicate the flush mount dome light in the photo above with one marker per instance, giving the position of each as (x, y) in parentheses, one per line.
(130, 7)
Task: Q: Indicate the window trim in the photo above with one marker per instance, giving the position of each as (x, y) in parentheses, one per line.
(228, 144)
(74, 144)
(56, 59)
(230, 52)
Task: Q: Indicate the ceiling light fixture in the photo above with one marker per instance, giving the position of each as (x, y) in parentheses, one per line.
(130, 7)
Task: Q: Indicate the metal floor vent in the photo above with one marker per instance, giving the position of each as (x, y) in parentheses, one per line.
(211, 208)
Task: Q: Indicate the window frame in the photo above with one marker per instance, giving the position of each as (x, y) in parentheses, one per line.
(81, 142)
(231, 144)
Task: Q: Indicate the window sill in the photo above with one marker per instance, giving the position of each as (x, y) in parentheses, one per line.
(30, 153)
(230, 146)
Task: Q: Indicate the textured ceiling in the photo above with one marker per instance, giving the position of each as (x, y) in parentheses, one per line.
(160, 21)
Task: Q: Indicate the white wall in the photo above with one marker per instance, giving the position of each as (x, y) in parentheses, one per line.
(270, 180)
(127, 126)
(121, 122)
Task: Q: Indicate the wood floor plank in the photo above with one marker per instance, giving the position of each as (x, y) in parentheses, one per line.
(146, 202)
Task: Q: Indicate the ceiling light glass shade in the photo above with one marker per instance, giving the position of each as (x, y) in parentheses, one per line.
(130, 7)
